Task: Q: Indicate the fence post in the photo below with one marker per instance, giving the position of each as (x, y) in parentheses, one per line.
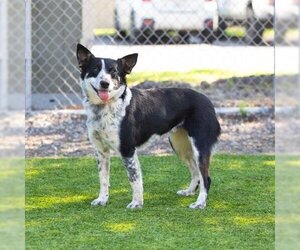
(28, 69)
(298, 26)
(3, 55)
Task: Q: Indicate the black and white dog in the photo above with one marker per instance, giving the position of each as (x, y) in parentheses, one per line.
(121, 119)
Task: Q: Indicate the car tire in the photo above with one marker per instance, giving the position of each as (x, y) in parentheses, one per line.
(222, 26)
(121, 34)
(254, 29)
(183, 36)
(208, 36)
(136, 36)
(280, 33)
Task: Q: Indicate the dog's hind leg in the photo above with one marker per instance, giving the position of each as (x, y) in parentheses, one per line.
(204, 159)
(204, 165)
(181, 144)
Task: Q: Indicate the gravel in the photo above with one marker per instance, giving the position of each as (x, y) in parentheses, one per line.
(12, 130)
(250, 91)
(59, 133)
(54, 134)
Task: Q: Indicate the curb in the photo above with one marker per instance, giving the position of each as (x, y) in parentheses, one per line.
(220, 111)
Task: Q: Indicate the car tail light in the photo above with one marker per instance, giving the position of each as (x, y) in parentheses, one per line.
(148, 22)
(209, 23)
(146, 1)
(272, 2)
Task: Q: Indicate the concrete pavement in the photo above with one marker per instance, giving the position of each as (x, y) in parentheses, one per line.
(181, 58)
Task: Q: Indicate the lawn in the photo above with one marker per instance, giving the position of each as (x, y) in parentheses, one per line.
(193, 77)
(239, 212)
(12, 203)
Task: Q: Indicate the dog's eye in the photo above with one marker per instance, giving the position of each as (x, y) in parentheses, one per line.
(112, 70)
(95, 69)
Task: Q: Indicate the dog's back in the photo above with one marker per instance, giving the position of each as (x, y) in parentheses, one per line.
(157, 111)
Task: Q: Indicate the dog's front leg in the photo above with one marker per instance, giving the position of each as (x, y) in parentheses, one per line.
(134, 173)
(103, 162)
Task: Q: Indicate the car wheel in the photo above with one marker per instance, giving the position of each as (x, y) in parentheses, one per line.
(254, 29)
(280, 33)
(208, 36)
(222, 26)
(184, 36)
(121, 34)
(136, 35)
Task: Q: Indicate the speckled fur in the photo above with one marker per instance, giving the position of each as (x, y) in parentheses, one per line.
(103, 122)
(122, 119)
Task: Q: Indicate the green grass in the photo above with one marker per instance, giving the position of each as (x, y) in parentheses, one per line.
(232, 31)
(240, 32)
(239, 212)
(235, 31)
(104, 32)
(12, 190)
(293, 34)
(195, 76)
(287, 201)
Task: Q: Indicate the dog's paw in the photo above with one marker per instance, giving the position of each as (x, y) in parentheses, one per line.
(185, 192)
(134, 205)
(198, 205)
(100, 201)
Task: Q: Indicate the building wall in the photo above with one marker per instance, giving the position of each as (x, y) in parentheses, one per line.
(56, 29)
(96, 14)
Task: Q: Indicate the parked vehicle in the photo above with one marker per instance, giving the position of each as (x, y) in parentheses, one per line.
(255, 15)
(286, 16)
(139, 18)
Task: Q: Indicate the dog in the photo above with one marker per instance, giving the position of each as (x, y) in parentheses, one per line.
(120, 118)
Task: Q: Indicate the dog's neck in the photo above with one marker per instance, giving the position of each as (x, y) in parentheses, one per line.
(116, 105)
(124, 93)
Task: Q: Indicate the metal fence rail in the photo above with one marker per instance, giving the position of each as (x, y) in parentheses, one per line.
(57, 26)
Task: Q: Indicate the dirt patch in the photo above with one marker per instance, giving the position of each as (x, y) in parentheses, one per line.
(12, 130)
(65, 134)
(250, 91)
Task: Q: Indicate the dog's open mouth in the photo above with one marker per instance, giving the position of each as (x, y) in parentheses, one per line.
(102, 93)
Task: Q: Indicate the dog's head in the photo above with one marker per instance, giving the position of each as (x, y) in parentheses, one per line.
(103, 79)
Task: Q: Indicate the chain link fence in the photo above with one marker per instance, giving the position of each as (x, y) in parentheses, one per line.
(12, 49)
(223, 48)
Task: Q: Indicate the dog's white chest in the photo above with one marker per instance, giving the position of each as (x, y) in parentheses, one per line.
(104, 124)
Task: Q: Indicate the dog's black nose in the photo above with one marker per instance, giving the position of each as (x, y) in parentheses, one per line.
(104, 84)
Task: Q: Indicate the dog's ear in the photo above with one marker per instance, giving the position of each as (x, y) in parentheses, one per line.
(128, 62)
(83, 56)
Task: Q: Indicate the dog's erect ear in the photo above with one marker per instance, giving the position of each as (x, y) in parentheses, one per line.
(128, 62)
(83, 56)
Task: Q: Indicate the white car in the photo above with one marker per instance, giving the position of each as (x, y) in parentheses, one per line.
(256, 15)
(286, 16)
(139, 18)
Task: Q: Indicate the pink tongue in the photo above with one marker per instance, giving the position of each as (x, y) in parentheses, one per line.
(104, 96)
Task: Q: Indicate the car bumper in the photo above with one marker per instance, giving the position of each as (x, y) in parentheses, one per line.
(288, 12)
(176, 20)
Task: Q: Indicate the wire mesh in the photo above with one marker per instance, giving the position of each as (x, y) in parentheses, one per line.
(110, 28)
(12, 54)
